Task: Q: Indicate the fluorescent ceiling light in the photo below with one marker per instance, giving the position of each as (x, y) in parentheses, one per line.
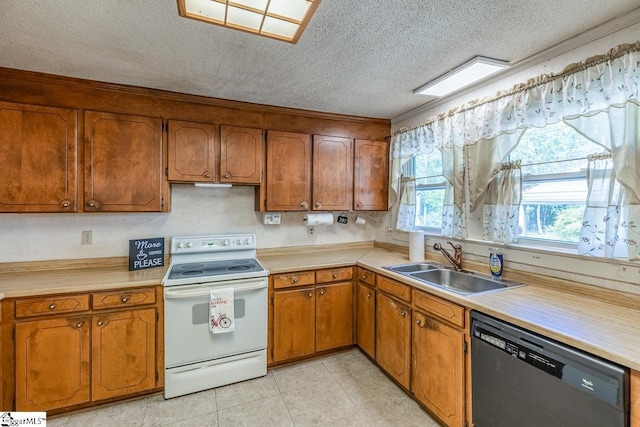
(277, 19)
(470, 72)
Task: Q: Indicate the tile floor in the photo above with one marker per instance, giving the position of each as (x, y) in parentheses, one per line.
(343, 389)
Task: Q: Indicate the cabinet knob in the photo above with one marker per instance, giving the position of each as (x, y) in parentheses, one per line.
(295, 279)
(93, 204)
(79, 325)
(65, 203)
(207, 175)
(318, 205)
(310, 294)
(335, 275)
(358, 205)
(364, 277)
(124, 299)
(100, 323)
(321, 291)
(227, 175)
(304, 205)
(418, 322)
(369, 295)
(52, 307)
(403, 314)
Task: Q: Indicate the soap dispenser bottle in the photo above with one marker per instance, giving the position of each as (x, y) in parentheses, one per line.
(496, 263)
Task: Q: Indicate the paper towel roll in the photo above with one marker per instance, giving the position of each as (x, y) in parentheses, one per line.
(322, 218)
(416, 246)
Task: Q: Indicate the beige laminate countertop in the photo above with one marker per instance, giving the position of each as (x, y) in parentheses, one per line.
(605, 329)
(587, 322)
(33, 283)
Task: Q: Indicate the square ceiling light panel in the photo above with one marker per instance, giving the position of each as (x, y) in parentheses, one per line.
(277, 19)
(468, 73)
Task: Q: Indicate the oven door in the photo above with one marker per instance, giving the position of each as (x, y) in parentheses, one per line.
(187, 338)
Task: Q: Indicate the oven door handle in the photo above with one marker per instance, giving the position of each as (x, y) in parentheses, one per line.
(182, 293)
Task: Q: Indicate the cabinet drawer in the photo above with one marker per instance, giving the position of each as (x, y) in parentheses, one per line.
(397, 289)
(122, 298)
(298, 278)
(52, 305)
(334, 274)
(366, 276)
(439, 307)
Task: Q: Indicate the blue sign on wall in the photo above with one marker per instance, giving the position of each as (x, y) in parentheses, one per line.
(146, 253)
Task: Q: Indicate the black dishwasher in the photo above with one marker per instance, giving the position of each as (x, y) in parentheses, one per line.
(523, 379)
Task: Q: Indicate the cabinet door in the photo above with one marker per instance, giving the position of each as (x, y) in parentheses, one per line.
(241, 154)
(123, 353)
(334, 316)
(635, 399)
(52, 363)
(191, 151)
(294, 323)
(38, 148)
(288, 171)
(371, 175)
(437, 378)
(393, 338)
(123, 163)
(332, 180)
(366, 318)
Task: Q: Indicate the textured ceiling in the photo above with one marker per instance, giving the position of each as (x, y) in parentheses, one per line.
(360, 58)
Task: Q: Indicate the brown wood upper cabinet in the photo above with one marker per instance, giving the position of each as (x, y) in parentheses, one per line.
(371, 175)
(288, 171)
(241, 154)
(191, 151)
(123, 163)
(38, 148)
(332, 183)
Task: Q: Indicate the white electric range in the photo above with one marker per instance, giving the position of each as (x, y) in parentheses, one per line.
(195, 358)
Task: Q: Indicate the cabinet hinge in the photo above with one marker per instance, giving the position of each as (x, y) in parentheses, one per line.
(162, 202)
(271, 300)
(465, 347)
(157, 376)
(13, 334)
(272, 352)
(166, 171)
(157, 316)
(265, 203)
(165, 127)
(13, 403)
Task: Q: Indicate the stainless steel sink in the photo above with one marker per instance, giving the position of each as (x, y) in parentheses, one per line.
(414, 267)
(461, 282)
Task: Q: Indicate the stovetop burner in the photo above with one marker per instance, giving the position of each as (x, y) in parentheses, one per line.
(214, 268)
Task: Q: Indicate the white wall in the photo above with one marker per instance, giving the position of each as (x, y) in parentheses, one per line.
(610, 274)
(36, 237)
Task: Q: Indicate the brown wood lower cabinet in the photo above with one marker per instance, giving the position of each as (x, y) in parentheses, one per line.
(294, 323)
(635, 399)
(366, 318)
(334, 316)
(312, 312)
(70, 360)
(393, 338)
(52, 363)
(437, 374)
(123, 352)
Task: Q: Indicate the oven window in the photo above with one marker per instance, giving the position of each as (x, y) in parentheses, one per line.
(200, 312)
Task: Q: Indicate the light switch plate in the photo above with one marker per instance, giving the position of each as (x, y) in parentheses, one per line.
(271, 218)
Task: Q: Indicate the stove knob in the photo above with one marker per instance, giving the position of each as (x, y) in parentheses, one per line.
(189, 244)
(180, 245)
(225, 243)
(246, 241)
(238, 242)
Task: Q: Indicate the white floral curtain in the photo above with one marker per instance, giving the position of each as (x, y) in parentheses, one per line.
(500, 211)
(481, 133)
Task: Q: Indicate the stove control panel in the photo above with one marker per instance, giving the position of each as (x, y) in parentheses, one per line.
(217, 243)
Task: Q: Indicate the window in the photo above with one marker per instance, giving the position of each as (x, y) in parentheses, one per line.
(430, 185)
(554, 185)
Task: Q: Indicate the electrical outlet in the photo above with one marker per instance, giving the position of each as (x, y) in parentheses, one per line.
(87, 237)
(311, 230)
(389, 230)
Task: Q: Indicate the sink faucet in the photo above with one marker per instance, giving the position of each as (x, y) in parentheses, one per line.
(456, 259)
